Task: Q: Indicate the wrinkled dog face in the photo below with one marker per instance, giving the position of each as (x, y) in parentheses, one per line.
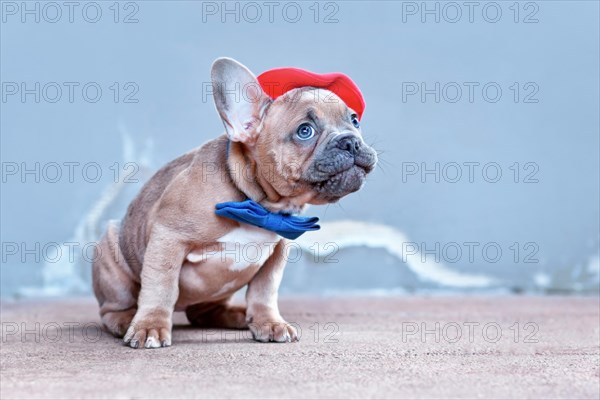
(307, 143)
(314, 143)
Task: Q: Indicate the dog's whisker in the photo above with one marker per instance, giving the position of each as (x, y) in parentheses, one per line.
(341, 207)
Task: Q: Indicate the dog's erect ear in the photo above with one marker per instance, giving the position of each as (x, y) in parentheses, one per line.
(239, 99)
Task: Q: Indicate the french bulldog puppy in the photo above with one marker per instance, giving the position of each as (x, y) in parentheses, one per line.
(172, 252)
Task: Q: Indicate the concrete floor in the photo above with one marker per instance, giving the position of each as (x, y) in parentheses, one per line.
(509, 347)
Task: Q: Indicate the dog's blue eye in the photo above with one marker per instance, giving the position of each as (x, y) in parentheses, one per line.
(305, 132)
(355, 122)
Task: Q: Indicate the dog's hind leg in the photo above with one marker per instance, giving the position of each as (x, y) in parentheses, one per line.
(217, 315)
(114, 285)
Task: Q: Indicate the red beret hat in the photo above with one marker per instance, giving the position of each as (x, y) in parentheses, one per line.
(278, 81)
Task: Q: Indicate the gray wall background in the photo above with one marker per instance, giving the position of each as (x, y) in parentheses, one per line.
(551, 129)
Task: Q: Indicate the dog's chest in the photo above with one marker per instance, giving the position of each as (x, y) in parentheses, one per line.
(238, 249)
(214, 273)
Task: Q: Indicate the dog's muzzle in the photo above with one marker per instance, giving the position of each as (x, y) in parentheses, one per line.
(341, 167)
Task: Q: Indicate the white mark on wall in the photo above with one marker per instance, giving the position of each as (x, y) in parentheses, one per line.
(347, 234)
(70, 271)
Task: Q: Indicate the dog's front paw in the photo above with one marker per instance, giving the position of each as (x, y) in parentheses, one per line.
(150, 330)
(273, 331)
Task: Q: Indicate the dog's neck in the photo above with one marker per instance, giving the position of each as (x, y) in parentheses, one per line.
(243, 170)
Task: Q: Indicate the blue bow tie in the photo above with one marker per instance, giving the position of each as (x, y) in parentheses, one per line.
(250, 212)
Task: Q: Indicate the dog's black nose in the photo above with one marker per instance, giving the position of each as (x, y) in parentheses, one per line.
(350, 143)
